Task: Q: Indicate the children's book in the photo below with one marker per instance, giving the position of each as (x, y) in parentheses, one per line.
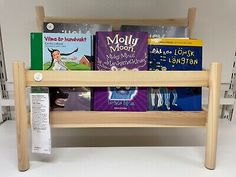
(63, 52)
(80, 28)
(121, 51)
(175, 54)
(159, 31)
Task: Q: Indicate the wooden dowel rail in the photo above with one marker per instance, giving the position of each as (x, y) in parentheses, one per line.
(116, 22)
(21, 115)
(213, 115)
(60, 119)
(114, 78)
(82, 119)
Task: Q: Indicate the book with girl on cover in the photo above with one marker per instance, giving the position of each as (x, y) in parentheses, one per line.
(63, 52)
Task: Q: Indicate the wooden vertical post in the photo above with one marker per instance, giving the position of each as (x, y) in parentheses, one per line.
(40, 15)
(191, 20)
(21, 115)
(213, 115)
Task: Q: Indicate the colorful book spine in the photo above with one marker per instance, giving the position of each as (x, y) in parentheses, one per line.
(121, 51)
(175, 54)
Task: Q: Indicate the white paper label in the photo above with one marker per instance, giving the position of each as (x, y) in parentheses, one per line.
(41, 134)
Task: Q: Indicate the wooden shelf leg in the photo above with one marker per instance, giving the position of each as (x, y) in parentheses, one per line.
(213, 115)
(40, 15)
(191, 20)
(21, 115)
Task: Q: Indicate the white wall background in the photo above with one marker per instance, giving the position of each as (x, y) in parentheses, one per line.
(215, 24)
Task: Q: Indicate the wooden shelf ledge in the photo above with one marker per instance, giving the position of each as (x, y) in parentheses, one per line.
(119, 78)
(187, 21)
(89, 119)
(119, 22)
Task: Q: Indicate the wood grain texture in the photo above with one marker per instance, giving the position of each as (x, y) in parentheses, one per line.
(91, 119)
(86, 119)
(116, 78)
(191, 20)
(213, 116)
(40, 16)
(21, 115)
(116, 23)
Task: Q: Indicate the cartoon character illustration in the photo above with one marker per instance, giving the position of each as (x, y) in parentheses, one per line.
(159, 97)
(56, 61)
(69, 98)
(162, 95)
(156, 98)
(57, 97)
(122, 93)
(153, 98)
(167, 94)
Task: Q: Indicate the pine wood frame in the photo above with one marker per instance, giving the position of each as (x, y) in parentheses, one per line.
(208, 78)
(188, 21)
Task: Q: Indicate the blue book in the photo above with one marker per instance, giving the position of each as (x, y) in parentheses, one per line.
(175, 54)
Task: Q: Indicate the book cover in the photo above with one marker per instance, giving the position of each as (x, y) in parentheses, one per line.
(159, 31)
(63, 52)
(175, 54)
(121, 51)
(80, 28)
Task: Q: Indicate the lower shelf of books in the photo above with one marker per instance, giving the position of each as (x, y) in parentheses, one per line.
(86, 119)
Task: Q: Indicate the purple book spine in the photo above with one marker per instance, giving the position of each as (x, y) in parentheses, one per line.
(121, 51)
